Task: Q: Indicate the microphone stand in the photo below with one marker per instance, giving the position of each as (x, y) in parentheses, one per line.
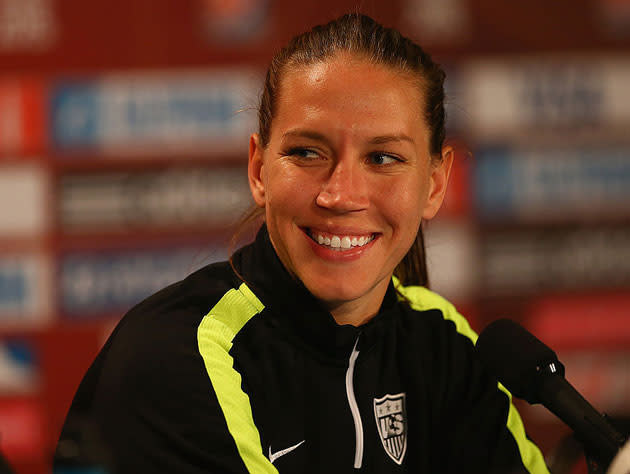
(571, 449)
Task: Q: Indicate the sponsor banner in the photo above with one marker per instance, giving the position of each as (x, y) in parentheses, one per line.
(201, 113)
(23, 200)
(451, 248)
(24, 290)
(21, 116)
(544, 183)
(515, 97)
(200, 196)
(22, 429)
(95, 284)
(546, 260)
(18, 368)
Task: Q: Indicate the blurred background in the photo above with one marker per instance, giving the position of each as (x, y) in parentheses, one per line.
(123, 147)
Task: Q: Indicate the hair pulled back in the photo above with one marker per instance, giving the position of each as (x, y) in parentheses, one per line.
(360, 35)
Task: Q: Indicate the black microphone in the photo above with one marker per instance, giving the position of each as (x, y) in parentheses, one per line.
(530, 370)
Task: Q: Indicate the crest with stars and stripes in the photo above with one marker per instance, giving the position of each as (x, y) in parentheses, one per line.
(391, 421)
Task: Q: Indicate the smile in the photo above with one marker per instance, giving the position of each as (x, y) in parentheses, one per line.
(340, 242)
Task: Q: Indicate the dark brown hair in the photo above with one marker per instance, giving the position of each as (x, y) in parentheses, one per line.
(360, 35)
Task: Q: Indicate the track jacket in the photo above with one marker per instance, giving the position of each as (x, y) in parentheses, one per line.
(218, 374)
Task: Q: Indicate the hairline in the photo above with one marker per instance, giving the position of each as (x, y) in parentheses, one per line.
(415, 77)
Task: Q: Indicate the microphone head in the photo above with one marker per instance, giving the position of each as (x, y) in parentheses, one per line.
(517, 358)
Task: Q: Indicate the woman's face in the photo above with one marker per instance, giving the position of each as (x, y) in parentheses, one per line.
(346, 179)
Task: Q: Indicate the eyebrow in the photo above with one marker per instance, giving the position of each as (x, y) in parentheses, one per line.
(302, 133)
(378, 140)
(391, 138)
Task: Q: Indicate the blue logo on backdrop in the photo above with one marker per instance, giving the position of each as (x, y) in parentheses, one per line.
(21, 353)
(18, 367)
(12, 288)
(494, 182)
(151, 111)
(538, 183)
(74, 115)
(15, 290)
(94, 284)
(175, 109)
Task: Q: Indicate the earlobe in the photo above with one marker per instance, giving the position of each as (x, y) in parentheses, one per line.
(438, 183)
(255, 170)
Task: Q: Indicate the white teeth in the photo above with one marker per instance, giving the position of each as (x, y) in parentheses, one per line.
(341, 243)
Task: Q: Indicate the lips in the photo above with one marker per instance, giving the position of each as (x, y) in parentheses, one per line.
(340, 241)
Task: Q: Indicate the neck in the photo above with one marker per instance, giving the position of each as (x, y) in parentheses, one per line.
(360, 311)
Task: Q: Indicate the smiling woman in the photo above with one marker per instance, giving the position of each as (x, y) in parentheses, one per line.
(318, 347)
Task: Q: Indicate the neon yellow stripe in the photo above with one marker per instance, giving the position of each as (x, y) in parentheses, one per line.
(214, 337)
(422, 299)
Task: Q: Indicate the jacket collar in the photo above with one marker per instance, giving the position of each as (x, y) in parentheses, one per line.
(294, 308)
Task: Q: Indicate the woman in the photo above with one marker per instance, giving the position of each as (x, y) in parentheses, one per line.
(317, 348)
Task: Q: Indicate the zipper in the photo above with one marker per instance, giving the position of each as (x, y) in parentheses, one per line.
(354, 408)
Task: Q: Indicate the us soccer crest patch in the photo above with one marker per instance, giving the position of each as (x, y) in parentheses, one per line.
(391, 421)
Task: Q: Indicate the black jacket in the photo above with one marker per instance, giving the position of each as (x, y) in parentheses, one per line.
(216, 375)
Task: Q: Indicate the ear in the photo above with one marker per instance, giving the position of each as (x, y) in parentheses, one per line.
(438, 182)
(255, 170)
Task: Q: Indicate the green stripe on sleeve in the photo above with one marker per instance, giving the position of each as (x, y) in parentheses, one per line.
(423, 299)
(214, 337)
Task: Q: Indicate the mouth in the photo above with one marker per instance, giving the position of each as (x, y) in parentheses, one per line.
(339, 242)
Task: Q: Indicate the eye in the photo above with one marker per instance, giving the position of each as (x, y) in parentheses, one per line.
(380, 158)
(304, 153)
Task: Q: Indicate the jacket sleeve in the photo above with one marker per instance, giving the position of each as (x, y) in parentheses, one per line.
(484, 426)
(484, 432)
(165, 397)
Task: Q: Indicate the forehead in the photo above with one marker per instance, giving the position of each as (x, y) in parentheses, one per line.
(350, 92)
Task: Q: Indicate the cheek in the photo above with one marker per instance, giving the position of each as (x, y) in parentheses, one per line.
(287, 193)
(403, 203)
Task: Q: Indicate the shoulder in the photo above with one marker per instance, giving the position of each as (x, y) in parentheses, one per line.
(156, 347)
(162, 331)
(188, 322)
(187, 300)
(165, 377)
(420, 298)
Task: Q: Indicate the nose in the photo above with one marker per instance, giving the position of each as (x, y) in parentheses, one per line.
(345, 189)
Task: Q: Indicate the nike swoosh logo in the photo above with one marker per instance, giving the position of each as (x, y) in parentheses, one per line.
(276, 455)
